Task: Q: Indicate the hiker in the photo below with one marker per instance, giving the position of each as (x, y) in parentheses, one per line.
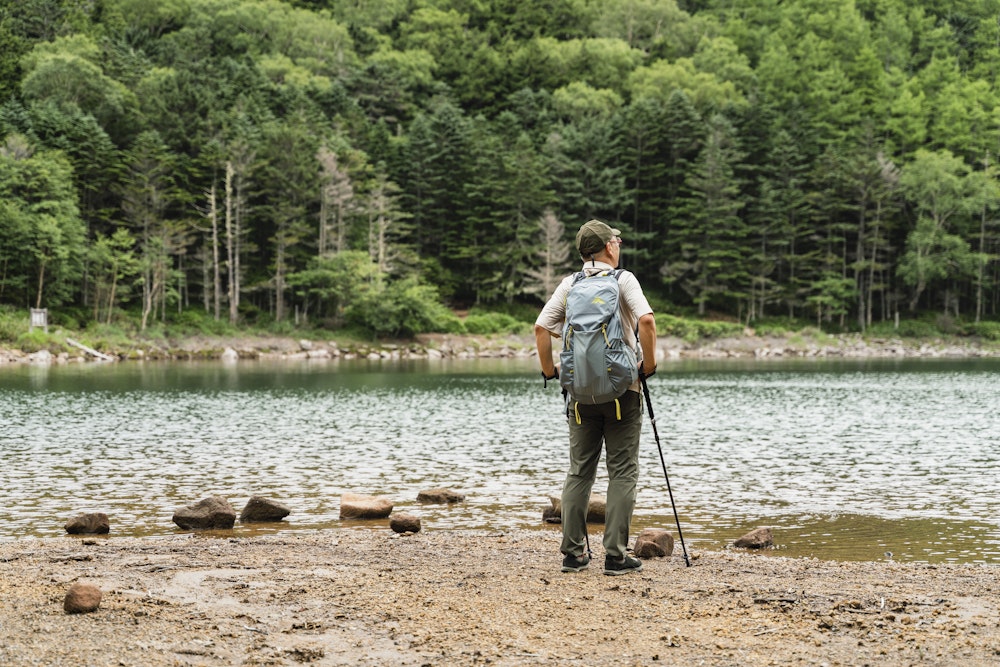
(616, 423)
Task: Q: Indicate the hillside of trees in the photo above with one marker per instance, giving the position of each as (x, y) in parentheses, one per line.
(377, 164)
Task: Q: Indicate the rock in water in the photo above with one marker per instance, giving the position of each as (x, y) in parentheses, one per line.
(93, 523)
(758, 538)
(209, 514)
(259, 508)
(357, 506)
(440, 496)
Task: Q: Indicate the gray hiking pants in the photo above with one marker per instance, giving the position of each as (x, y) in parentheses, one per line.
(600, 424)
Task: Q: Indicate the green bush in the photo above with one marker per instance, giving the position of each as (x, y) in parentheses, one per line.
(693, 330)
(778, 326)
(68, 318)
(495, 323)
(197, 321)
(402, 308)
(13, 323)
(106, 337)
(522, 312)
(906, 329)
(38, 339)
(985, 330)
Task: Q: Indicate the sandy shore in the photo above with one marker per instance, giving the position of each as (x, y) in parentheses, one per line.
(371, 597)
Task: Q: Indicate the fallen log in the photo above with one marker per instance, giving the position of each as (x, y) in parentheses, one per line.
(90, 350)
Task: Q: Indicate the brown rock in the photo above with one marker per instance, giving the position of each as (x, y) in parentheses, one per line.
(212, 513)
(551, 515)
(654, 543)
(357, 506)
(596, 509)
(759, 538)
(404, 523)
(82, 599)
(440, 496)
(259, 508)
(93, 523)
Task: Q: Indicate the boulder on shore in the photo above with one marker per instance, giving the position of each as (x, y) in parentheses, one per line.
(208, 514)
(259, 508)
(91, 523)
(654, 543)
(404, 523)
(358, 506)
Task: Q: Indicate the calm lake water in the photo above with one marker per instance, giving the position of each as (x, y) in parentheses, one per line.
(845, 460)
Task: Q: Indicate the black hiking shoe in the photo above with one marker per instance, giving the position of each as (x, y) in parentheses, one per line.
(613, 567)
(575, 563)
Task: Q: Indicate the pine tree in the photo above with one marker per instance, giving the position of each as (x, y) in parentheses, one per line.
(712, 236)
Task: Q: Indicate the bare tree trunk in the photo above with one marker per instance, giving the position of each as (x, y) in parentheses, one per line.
(111, 296)
(41, 284)
(231, 252)
(216, 274)
(338, 193)
(279, 279)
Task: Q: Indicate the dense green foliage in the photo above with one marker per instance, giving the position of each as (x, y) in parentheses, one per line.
(364, 164)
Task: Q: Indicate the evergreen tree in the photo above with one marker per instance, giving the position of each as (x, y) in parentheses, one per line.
(712, 266)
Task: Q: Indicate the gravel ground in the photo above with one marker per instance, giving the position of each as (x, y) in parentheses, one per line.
(371, 597)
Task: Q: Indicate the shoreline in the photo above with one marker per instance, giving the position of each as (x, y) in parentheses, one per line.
(444, 346)
(351, 597)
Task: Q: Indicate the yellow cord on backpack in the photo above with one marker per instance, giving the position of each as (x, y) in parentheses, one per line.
(576, 410)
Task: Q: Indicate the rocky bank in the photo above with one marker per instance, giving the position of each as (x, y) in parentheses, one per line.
(372, 597)
(443, 346)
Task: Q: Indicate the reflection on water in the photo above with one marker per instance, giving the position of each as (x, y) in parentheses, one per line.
(846, 460)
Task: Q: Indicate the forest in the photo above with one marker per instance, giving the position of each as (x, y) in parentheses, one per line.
(384, 165)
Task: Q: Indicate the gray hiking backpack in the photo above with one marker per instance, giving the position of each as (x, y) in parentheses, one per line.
(597, 365)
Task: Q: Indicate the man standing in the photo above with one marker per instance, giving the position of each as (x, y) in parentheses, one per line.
(616, 424)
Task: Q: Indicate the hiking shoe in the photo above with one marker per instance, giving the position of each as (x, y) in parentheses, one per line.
(614, 567)
(575, 563)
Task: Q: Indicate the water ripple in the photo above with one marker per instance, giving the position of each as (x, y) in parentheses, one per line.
(793, 446)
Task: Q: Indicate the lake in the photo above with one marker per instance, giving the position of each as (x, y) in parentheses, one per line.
(845, 459)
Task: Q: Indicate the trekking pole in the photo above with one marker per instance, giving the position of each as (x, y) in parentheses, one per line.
(656, 436)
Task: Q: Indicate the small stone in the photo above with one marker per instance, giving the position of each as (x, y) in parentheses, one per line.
(440, 496)
(93, 523)
(758, 538)
(404, 523)
(82, 599)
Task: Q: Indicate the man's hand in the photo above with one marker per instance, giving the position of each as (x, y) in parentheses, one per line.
(546, 378)
(643, 373)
